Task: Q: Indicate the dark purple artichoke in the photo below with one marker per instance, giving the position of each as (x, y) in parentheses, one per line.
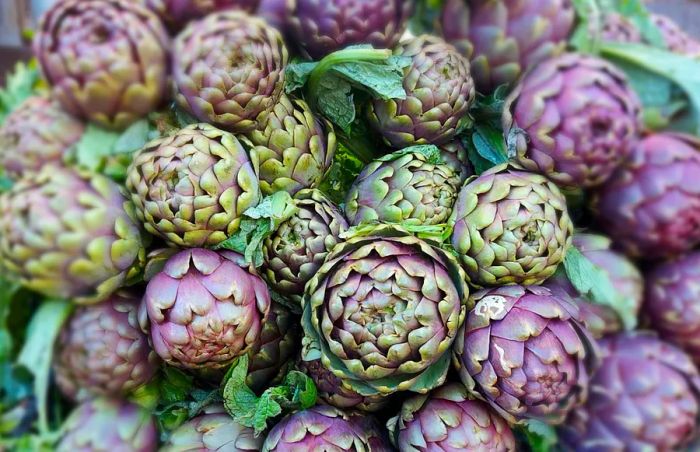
(524, 351)
(176, 13)
(651, 205)
(274, 12)
(644, 397)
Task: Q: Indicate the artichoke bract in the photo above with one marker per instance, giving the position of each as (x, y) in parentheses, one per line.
(322, 27)
(103, 351)
(36, 133)
(106, 60)
(523, 350)
(204, 309)
(618, 28)
(650, 207)
(580, 117)
(506, 37)
(383, 311)
(229, 68)
(439, 91)
(448, 420)
(292, 147)
(407, 187)
(455, 155)
(71, 234)
(296, 250)
(644, 397)
(192, 188)
(176, 13)
(510, 227)
(104, 425)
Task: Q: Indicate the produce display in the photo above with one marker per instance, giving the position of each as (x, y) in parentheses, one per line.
(351, 225)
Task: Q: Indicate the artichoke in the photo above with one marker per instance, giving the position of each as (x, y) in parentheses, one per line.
(523, 350)
(204, 309)
(322, 27)
(455, 155)
(510, 227)
(676, 39)
(651, 205)
(274, 12)
(106, 60)
(447, 420)
(107, 425)
(506, 37)
(69, 234)
(103, 351)
(176, 13)
(296, 250)
(409, 187)
(192, 188)
(293, 148)
(36, 133)
(229, 68)
(618, 28)
(383, 311)
(580, 116)
(644, 397)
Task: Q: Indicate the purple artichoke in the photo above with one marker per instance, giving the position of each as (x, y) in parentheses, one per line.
(618, 28)
(274, 12)
(455, 156)
(106, 60)
(644, 397)
(176, 13)
(204, 309)
(580, 117)
(651, 205)
(676, 39)
(523, 350)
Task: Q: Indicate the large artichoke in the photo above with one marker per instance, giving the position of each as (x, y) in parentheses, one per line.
(204, 309)
(651, 205)
(229, 68)
(103, 351)
(524, 351)
(506, 37)
(176, 13)
(383, 311)
(580, 117)
(69, 234)
(108, 425)
(192, 188)
(409, 187)
(439, 91)
(644, 397)
(322, 27)
(510, 227)
(293, 147)
(106, 60)
(448, 420)
(296, 250)
(36, 133)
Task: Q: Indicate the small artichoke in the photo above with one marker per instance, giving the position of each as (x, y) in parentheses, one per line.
(69, 234)
(204, 309)
(322, 27)
(439, 91)
(106, 60)
(410, 187)
(510, 227)
(229, 68)
(650, 207)
(448, 420)
(676, 39)
(108, 425)
(523, 350)
(296, 250)
(618, 28)
(36, 133)
(103, 351)
(580, 117)
(383, 311)
(644, 397)
(293, 148)
(192, 188)
(176, 13)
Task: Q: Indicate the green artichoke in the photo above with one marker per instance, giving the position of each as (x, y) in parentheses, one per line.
(383, 310)
(106, 60)
(296, 250)
(70, 234)
(510, 227)
(292, 147)
(192, 188)
(229, 68)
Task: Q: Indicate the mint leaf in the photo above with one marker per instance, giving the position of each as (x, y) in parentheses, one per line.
(539, 436)
(20, 84)
(94, 146)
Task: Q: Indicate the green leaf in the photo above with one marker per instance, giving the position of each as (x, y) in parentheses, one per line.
(427, 14)
(486, 147)
(8, 290)
(430, 151)
(20, 84)
(335, 101)
(342, 173)
(183, 118)
(94, 146)
(297, 74)
(539, 436)
(133, 138)
(5, 182)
